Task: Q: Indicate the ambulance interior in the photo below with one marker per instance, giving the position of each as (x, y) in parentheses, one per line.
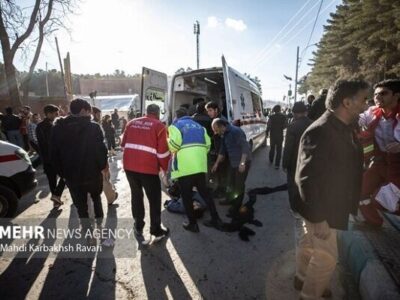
(193, 88)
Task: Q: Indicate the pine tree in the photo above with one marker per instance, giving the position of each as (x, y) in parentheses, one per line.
(361, 40)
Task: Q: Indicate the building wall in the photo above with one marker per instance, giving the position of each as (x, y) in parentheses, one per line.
(107, 87)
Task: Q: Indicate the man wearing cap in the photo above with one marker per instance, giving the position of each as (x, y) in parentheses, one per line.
(293, 134)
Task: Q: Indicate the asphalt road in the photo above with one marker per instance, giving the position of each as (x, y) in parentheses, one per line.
(208, 265)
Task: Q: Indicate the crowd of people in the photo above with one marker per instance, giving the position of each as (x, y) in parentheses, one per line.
(345, 162)
(341, 155)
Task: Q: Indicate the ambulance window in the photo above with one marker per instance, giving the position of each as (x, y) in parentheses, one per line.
(157, 97)
(257, 105)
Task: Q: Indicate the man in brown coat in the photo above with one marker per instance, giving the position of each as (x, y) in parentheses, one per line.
(328, 175)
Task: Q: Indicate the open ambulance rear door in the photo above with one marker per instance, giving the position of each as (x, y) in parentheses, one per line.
(154, 90)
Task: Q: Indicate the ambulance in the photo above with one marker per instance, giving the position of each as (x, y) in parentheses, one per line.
(238, 97)
(17, 177)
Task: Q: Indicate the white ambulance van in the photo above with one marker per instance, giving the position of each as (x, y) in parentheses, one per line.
(238, 97)
(17, 177)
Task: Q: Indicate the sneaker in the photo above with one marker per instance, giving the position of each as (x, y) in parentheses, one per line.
(162, 233)
(298, 285)
(276, 167)
(193, 227)
(216, 223)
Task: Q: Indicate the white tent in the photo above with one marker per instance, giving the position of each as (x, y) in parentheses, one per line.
(124, 103)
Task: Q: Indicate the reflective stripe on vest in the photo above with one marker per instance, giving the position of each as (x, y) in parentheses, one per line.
(146, 149)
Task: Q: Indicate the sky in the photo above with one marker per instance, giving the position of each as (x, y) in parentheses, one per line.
(258, 37)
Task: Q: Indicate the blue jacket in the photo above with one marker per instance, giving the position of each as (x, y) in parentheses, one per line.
(234, 143)
(189, 143)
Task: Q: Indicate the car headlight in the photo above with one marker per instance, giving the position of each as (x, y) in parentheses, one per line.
(23, 155)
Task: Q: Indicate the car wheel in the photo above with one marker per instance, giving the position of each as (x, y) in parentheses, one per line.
(8, 202)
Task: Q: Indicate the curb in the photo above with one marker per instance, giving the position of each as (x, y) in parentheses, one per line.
(358, 256)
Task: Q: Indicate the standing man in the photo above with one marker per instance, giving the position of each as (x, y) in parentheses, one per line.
(277, 122)
(310, 100)
(43, 133)
(115, 119)
(145, 154)
(318, 105)
(235, 146)
(328, 175)
(221, 175)
(189, 143)
(201, 117)
(293, 134)
(11, 124)
(33, 142)
(383, 123)
(79, 155)
(25, 120)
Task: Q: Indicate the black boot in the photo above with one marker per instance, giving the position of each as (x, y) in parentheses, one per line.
(193, 227)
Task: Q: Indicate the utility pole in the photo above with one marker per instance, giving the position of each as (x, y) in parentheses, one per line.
(47, 81)
(196, 31)
(297, 72)
(61, 69)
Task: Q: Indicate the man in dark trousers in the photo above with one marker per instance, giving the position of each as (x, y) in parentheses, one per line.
(329, 175)
(221, 175)
(115, 119)
(190, 143)
(145, 155)
(79, 155)
(318, 106)
(43, 133)
(235, 146)
(277, 122)
(292, 141)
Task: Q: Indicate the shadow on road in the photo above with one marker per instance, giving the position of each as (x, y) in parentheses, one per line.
(161, 279)
(20, 276)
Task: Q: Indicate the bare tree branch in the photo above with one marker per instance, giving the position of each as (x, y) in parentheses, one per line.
(29, 29)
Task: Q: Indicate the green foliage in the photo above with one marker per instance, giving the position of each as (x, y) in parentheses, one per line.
(361, 40)
(256, 80)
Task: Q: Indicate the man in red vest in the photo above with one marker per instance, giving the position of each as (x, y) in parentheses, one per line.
(145, 154)
(383, 122)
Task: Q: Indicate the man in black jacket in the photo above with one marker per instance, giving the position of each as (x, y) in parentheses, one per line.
(43, 133)
(292, 141)
(328, 175)
(277, 122)
(79, 155)
(11, 124)
(202, 118)
(318, 106)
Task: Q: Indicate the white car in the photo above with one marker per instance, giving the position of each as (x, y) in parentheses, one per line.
(17, 177)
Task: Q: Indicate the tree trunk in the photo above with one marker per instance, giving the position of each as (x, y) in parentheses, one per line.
(9, 53)
(38, 50)
(12, 83)
(25, 88)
